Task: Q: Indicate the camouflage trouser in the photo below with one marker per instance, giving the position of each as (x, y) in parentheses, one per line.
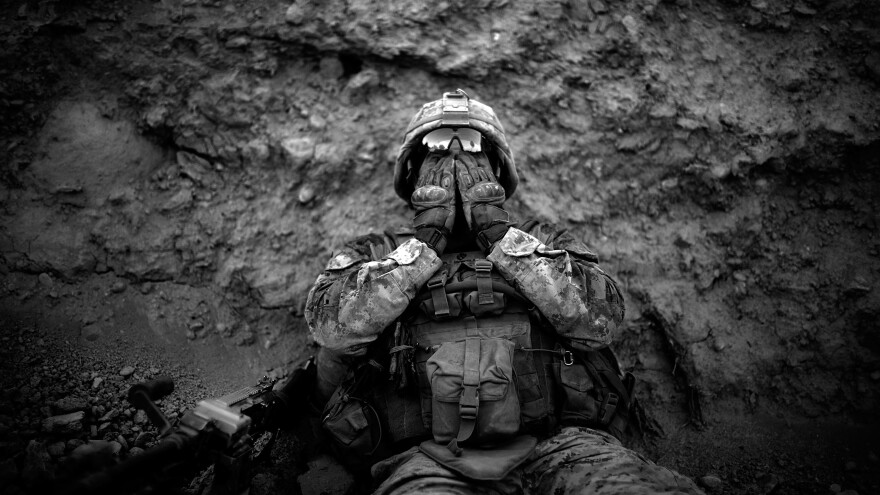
(577, 460)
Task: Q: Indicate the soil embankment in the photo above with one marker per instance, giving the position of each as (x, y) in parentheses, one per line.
(176, 173)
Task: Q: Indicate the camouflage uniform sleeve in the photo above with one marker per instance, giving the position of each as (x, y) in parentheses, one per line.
(562, 278)
(354, 299)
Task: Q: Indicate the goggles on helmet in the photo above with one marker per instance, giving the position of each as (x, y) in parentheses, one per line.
(440, 139)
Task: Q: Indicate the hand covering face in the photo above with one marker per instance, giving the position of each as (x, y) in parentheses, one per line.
(434, 200)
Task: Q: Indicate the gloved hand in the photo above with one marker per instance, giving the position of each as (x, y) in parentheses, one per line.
(482, 197)
(434, 201)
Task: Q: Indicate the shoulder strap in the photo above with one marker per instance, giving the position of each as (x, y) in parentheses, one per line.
(616, 399)
(598, 365)
(380, 248)
(528, 225)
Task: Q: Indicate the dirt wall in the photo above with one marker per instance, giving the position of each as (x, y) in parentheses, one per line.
(720, 156)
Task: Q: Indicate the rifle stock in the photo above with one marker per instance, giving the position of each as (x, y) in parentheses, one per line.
(222, 430)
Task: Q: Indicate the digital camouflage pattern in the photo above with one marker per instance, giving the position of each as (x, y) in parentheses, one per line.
(583, 460)
(354, 299)
(370, 282)
(580, 301)
(575, 461)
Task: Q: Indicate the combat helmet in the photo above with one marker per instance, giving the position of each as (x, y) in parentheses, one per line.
(455, 110)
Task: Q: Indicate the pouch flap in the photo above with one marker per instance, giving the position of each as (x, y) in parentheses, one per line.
(517, 243)
(342, 261)
(407, 252)
(483, 464)
(576, 377)
(348, 423)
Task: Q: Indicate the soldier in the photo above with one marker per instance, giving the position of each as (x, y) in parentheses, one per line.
(470, 354)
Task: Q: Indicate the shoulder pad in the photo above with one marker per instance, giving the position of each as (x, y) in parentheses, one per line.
(560, 238)
(342, 261)
(518, 243)
(407, 252)
(578, 249)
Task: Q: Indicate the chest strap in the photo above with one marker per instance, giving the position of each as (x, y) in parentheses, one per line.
(469, 403)
(471, 284)
(438, 289)
(484, 281)
(438, 294)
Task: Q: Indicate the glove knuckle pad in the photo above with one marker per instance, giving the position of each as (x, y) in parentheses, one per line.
(487, 192)
(430, 195)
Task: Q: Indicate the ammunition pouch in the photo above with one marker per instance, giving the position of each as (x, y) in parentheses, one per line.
(593, 392)
(350, 420)
(473, 397)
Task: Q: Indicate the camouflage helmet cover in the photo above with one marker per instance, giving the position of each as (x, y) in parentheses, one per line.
(455, 110)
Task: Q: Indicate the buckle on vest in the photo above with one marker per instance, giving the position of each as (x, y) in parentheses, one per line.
(484, 281)
(469, 403)
(483, 241)
(438, 280)
(438, 294)
(567, 358)
(606, 412)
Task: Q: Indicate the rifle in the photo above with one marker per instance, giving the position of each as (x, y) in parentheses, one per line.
(230, 431)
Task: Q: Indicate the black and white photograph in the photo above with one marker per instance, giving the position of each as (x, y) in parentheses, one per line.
(492, 247)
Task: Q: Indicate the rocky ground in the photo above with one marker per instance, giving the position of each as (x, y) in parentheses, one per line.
(175, 173)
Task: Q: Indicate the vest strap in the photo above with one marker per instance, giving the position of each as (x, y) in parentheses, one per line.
(484, 281)
(470, 284)
(469, 403)
(438, 294)
(608, 407)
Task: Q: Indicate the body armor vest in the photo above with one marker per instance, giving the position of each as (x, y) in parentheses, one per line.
(466, 323)
(471, 361)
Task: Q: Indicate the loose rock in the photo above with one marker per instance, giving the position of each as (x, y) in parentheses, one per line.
(306, 194)
(110, 416)
(294, 14)
(711, 481)
(238, 42)
(45, 280)
(140, 417)
(65, 423)
(70, 404)
(299, 150)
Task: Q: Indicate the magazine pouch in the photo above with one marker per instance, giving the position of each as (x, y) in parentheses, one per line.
(474, 397)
